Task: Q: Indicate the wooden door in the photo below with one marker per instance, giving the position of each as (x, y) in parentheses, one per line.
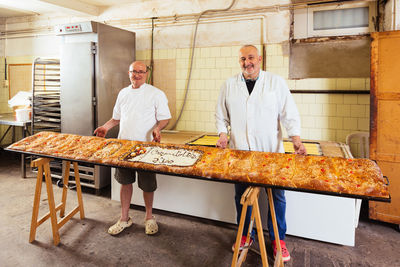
(385, 119)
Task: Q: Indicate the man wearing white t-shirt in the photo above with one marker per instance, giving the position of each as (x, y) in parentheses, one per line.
(141, 110)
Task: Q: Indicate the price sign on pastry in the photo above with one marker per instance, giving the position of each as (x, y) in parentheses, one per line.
(165, 156)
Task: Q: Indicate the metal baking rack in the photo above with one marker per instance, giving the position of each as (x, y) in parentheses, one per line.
(46, 105)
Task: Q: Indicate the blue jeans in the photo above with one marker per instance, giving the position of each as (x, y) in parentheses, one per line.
(278, 196)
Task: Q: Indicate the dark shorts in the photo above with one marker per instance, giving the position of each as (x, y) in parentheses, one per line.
(146, 180)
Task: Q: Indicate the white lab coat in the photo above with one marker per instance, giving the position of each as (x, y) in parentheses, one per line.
(254, 120)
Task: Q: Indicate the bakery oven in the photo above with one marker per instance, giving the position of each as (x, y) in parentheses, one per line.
(94, 60)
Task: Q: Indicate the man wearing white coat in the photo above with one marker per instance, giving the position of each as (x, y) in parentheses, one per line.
(251, 106)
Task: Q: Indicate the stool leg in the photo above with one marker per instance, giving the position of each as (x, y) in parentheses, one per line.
(36, 202)
(278, 257)
(50, 195)
(65, 186)
(79, 190)
(260, 233)
(239, 235)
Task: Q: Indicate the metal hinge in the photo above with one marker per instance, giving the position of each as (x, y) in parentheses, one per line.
(94, 49)
(94, 101)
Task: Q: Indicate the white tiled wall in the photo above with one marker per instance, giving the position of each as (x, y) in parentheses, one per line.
(324, 116)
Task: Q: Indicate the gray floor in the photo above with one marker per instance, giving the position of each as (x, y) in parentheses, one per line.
(181, 241)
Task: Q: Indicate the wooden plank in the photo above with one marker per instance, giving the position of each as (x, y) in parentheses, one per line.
(373, 91)
(36, 202)
(79, 190)
(65, 187)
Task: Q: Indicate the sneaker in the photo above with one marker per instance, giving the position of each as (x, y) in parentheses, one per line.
(242, 243)
(285, 251)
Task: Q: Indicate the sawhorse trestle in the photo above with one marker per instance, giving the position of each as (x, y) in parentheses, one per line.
(43, 165)
(250, 198)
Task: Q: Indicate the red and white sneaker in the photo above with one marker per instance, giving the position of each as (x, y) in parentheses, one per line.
(285, 251)
(243, 243)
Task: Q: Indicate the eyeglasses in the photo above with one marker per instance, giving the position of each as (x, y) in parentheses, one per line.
(137, 72)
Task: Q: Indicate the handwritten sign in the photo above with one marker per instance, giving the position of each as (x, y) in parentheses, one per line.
(168, 156)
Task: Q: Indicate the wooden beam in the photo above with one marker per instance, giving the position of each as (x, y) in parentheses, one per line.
(76, 5)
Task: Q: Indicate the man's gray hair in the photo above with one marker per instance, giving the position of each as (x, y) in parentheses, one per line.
(253, 46)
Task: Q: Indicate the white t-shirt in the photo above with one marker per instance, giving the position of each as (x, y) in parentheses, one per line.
(139, 110)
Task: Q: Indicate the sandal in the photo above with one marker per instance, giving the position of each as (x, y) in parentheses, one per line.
(151, 226)
(119, 226)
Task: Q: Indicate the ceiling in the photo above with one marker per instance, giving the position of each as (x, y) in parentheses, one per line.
(17, 8)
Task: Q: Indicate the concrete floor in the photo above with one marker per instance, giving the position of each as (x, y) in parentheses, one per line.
(181, 241)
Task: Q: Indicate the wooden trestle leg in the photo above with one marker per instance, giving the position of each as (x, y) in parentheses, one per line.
(43, 165)
(250, 198)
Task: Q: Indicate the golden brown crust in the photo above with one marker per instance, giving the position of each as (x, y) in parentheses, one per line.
(316, 173)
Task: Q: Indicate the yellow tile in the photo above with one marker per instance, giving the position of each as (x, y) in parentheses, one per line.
(190, 126)
(308, 99)
(328, 134)
(181, 126)
(185, 53)
(308, 122)
(357, 84)
(315, 134)
(286, 62)
(329, 109)
(205, 52)
(298, 98)
(357, 111)
(171, 53)
(220, 62)
(182, 63)
(196, 73)
(204, 74)
(210, 63)
(181, 74)
(214, 74)
(322, 98)
(163, 54)
(226, 51)
(271, 50)
(350, 99)
(350, 123)
(291, 84)
(215, 52)
(367, 84)
(210, 85)
(343, 110)
(363, 99)
(363, 124)
(335, 123)
(336, 98)
(302, 84)
(321, 122)
(315, 109)
(303, 109)
(343, 84)
(199, 126)
(275, 61)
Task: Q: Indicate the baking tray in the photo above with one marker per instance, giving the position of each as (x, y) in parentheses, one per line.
(313, 148)
(217, 179)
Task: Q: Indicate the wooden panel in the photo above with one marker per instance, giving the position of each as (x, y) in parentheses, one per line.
(388, 212)
(388, 119)
(20, 76)
(385, 119)
(388, 64)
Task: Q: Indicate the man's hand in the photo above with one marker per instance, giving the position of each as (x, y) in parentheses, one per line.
(156, 135)
(101, 131)
(222, 141)
(298, 146)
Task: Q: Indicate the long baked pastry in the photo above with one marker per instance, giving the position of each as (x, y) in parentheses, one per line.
(361, 177)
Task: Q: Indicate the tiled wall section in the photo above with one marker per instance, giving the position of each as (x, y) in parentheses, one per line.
(324, 116)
